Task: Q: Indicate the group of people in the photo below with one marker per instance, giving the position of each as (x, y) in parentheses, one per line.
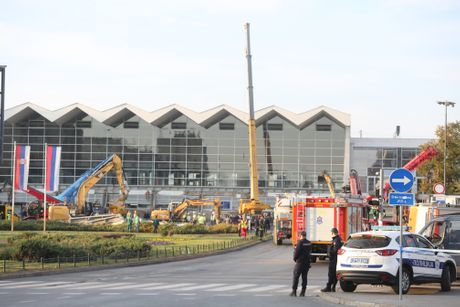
(302, 256)
(133, 219)
(259, 224)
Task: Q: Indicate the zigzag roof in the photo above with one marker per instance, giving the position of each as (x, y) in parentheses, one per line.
(163, 116)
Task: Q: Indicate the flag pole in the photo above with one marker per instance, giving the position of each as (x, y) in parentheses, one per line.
(44, 194)
(13, 186)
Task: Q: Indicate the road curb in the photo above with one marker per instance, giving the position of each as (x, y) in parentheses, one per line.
(348, 302)
(125, 265)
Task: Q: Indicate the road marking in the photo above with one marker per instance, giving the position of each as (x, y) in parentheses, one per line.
(17, 284)
(4, 292)
(185, 294)
(100, 286)
(147, 294)
(263, 295)
(224, 294)
(74, 293)
(265, 288)
(64, 297)
(36, 293)
(234, 287)
(47, 285)
(140, 286)
(200, 287)
(25, 302)
(169, 286)
(110, 293)
(69, 285)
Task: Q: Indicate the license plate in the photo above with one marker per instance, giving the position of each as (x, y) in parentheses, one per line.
(360, 260)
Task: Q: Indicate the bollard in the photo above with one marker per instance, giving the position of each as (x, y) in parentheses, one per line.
(59, 262)
(89, 260)
(127, 257)
(74, 261)
(4, 265)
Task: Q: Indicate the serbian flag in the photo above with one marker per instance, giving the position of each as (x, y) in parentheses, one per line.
(21, 167)
(53, 164)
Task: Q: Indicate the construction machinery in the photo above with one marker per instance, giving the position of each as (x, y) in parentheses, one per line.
(325, 176)
(75, 195)
(6, 212)
(176, 210)
(253, 205)
(418, 160)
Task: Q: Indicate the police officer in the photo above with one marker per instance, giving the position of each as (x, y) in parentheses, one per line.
(302, 264)
(334, 248)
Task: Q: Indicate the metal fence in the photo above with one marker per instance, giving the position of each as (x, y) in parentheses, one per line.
(156, 252)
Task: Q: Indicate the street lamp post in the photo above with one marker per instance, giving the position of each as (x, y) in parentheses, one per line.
(445, 104)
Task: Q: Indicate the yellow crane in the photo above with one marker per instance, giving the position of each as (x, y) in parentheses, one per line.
(253, 205)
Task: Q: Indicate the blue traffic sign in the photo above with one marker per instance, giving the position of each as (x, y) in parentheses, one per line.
(401, 199)
(401, 180)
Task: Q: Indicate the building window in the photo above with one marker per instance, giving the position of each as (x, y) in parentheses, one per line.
(226, 126)
(275, 127)
(131, 125)
(323, 127)
(83, 124)
(178, 125)
(36, 123)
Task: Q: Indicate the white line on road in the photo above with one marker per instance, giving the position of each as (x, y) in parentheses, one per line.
(147, 294)
(63, 297)
(200, 287)
(25, 302)
(185, 294)
(139, 286)
(265, 288)
(17, 284)
(74, 293)
(36, 293)
(169, 286)
(234, 287)
(70, 285)
(263, 295)
(110, 293)
(90, 287)
(224, 294)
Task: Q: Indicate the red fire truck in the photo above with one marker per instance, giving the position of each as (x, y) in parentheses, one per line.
(317, 215)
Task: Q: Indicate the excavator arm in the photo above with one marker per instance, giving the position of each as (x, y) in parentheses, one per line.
(330, 185)
(113, 162)
(182, 207)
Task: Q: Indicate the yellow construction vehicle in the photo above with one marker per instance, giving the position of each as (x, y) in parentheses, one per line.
(253, 205)
(176, 210)
(328, 180)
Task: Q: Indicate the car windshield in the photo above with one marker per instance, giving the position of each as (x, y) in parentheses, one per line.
(367, 241)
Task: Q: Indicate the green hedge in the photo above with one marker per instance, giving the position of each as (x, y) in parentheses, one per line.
(33, 246)
(146, 226)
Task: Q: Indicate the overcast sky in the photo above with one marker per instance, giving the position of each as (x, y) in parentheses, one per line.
(384, 62)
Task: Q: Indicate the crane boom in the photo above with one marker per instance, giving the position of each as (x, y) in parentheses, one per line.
(253, 204)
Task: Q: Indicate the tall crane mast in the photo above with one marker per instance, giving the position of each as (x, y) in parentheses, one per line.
(252, 205)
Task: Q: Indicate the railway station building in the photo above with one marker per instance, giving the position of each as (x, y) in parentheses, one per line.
(174, 152)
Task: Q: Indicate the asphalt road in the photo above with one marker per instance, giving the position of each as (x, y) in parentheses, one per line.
(257, 276)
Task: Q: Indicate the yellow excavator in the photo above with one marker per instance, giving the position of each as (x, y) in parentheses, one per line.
(75, 195)
(176, 210)
(253, 205)
(328, 180)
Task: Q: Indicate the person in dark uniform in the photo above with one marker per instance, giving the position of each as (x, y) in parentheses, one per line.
(302, 264)
(334, 248)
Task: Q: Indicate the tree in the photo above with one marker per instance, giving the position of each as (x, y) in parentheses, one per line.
(433, 170)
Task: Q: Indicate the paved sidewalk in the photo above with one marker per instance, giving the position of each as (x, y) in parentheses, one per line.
(383, 296)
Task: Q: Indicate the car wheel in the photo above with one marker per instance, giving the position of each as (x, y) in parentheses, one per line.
(279, 242)
(347, 286)
(406, 282)
(445, 279)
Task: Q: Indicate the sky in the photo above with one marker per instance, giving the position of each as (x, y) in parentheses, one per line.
(386, 63)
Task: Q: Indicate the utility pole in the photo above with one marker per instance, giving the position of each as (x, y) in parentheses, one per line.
(445, 104)
(2, 106)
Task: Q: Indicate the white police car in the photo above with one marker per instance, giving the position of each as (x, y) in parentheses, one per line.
(372, 257)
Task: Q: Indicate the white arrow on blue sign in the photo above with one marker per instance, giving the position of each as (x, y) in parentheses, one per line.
(401, 180)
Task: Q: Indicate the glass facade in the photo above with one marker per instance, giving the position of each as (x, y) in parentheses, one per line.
(179, 154)
(369, 155)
